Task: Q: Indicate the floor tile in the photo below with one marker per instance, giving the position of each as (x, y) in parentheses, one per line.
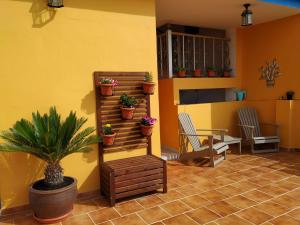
(131, 219)
(84, 207)
(257, 196)
(213, 196)
(203, 215)
(253, 215)
(272, 190)
(175, 208)
(295, 214)
(285, 220)
(188, 190)
(102, 215)
(170, 196)
(259, 181)
(271, 208)
(153, 215)
(294, 179)
(240, 202)
(229, 190)
(223, 208)
(128, 207)
(232, 220)
(150, 201)
(196, 201)
(179, 220)
(78, 220)
(287, 201)
(245, 185)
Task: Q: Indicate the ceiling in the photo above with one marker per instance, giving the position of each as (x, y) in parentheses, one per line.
(217, 13)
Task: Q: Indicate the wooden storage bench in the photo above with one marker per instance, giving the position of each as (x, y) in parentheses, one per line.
(131, 176)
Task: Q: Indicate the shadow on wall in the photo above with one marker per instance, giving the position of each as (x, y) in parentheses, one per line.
(88, 103)
(41, 13)
(31, 166)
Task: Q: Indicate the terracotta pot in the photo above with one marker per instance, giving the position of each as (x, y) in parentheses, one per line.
(127, 113)
(146, 130)
(211, 73)
(197, 72)
(148, 87)
(108, 139)
(106, 89)
(52, 206)
(181, 73)
(226, 74)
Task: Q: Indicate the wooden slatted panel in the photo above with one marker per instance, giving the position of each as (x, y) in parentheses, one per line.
(108, 111)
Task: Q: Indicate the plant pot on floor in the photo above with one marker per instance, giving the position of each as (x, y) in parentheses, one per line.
(108, 139)
(106, 89)
(146, 130)
(127, 113)
(51, 206)
(148, 88)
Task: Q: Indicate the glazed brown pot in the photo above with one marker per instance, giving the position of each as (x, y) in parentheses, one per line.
(127, 113)
(197, 72)
(106, 89)
(52, 206)
(211, 73)
(108, 139)
(226, 74)
(148, 87)
(181, 73)
(146, 130)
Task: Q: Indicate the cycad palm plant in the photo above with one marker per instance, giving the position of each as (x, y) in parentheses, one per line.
(49, 138)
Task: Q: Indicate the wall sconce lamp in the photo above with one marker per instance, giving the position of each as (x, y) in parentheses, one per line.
(246, 16)
(56, 3)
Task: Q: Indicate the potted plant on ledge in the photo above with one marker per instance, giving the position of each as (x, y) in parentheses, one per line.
(197, 72)
(227, 72)
(148, 84)
(181, 71)
(108, 135)
(147, 124)
(127, 108)
(211, 71)
(50, 139)
(107, 85)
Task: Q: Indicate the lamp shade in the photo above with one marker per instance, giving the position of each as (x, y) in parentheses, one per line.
(56, 3)
(246, 16)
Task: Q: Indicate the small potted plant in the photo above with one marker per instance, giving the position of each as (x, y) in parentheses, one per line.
(148, 84)
(197, 72)
(127, 108)
(211, 71)
(147, 124)
(108, 135)
(290, 95)
(227, 72)
(50, 139)
(181, 71)
(107, 85)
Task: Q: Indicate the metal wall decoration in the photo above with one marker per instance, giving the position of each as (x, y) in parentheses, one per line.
(269, 72)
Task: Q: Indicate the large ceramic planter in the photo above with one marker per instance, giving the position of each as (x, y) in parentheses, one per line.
(197, 73)
(211, 73)
(108, 139)
(181, 73)
(146, 130)
(148, 88)
(52, 206)
(106, 89)
(127, 113)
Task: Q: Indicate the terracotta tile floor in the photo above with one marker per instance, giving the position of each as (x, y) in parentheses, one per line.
(244, 189)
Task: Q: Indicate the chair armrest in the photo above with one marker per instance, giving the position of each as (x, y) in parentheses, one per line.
(270, 124)
(247, 126)
(218, 130)
(197, 135)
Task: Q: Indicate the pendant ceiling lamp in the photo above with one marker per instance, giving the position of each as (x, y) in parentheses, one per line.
(246, 16)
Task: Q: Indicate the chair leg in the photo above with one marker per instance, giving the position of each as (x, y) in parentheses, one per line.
(240, 147)
(252, 148)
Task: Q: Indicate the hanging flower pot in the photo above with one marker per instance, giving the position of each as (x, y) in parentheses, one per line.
(197, 72)
(107, 85)
(146, 125)
(127, 109)
(108, 135)
(148, 85)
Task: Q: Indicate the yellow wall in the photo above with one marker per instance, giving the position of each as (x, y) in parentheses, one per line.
(48, 58)
(260, 43)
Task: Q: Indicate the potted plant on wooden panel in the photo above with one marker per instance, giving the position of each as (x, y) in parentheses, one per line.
(147, 124)
(107, 85)
(197, 72)
(50, 139)
(148, 84)
(127, 108)
(181, 71)
(211, 71)
(227, 72)
(290, 95)
(108, 135)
